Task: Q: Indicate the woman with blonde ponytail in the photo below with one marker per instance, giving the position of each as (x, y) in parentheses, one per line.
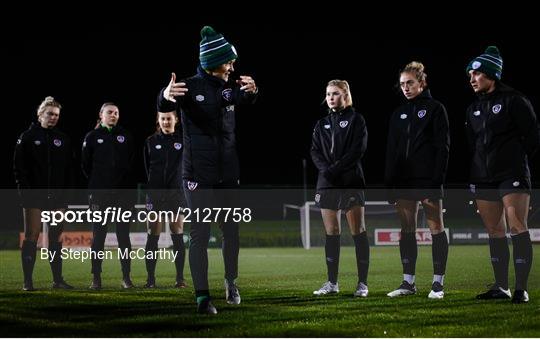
(43, 170)
(338, 145)
(416, 163)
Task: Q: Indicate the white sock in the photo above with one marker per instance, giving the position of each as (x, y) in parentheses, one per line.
(438, 278)
(409, 278)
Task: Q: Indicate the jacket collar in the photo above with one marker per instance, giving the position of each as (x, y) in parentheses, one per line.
(205, 75)
(341, 112)
(425, 95)
(36, 125)
(499, 88)
(160, 133)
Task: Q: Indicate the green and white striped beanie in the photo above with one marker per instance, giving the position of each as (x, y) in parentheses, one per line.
(490, 63)
(214, 50)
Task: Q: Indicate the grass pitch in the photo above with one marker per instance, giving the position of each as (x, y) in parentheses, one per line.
(276, 286)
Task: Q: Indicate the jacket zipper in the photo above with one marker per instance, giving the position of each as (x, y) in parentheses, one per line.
(111, 141)
(332, 125)
(408, 141)
(220, 146)
(49, 163)
(166, 162)
(409, 136)
(484, 126)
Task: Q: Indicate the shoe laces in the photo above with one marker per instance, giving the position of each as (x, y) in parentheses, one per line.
(361, 286)
(436, 286)
(327, 286)
(233, 289)
(405, 285)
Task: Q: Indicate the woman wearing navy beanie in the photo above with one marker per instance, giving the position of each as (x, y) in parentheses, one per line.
(208, 102)
(503, 135)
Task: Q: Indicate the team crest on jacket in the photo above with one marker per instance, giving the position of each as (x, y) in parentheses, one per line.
(57, 142)
(199, 98)
(403, 116)
(476, 113)
(177, 146)
(496, 109)
(343, 124)
(317, 198)
(37, 142)
(121, 139)
(327, 126)
(472, 188)
(192, 185)
(227, 94)
(158, 146)
(422, 113)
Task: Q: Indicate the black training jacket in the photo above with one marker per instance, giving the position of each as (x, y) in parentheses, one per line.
(107, 158)
(43, 159)
(163, 160)
(503, 133)
(418, 142)
(338, 144)
(208, 120)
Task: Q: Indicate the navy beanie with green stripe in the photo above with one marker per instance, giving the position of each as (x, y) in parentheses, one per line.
(490, 63)
(214, 50)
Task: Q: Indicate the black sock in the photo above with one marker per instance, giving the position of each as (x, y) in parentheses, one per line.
(408, 250)
(523, 256)
(332, 248)
(500, 257)
(98, 245)
(28, 258)
(361, 246)
(124, 245)
(180, 250)
(439, 253)
(55, 249)
(151, 246)
(230, 249)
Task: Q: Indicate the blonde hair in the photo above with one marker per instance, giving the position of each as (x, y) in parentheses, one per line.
(48, 102)
(344, 86)
(417, 69)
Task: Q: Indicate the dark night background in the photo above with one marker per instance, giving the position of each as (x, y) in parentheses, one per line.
(84, 64)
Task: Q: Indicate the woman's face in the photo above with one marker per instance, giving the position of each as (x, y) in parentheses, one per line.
(410, 86)
(109, 116)
(224, 70)
(49, 117)
(335, 98)
(167, 122)
(480, 82)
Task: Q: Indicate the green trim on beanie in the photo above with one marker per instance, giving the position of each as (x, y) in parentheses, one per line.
(214, 50)
(490, 63)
